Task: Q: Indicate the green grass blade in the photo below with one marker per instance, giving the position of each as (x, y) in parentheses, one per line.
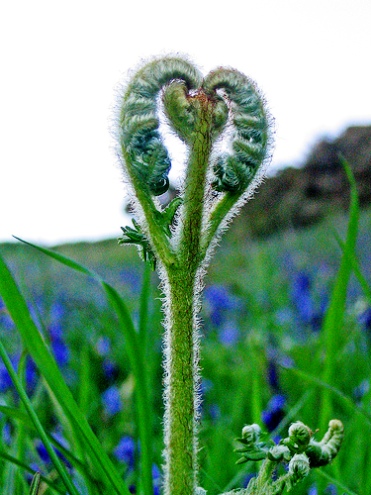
(34, 343)
(333, 323)
(136, 354)
(32, 413)
(356, 269)
(35, 485)
(13, 460)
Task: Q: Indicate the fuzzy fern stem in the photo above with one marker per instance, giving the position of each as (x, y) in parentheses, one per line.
(182, 340)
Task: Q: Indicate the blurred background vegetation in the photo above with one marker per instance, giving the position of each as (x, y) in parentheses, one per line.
(266, 296)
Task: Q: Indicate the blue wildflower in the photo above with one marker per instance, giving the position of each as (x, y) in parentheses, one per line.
(219, 301)
(303, 301)
(214, 411)
(273, 415)
(103, 346)
(312, 490)
(31, 375)
(331, 490)
(6, 434)
(157, 479)
(125, 451)
(132, 278)
(44, 455)
(57, 311)
(228, 334)
(60, 351)
(56, 330)
(111, 400)
(272, 374)
(365, 319)
(5, 380)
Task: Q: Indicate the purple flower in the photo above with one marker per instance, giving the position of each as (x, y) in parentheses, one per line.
(111, 400)
(157, 479)
(6, 434)
(229, 334)
(31, 375)
(312, 490)
(331, 490)
(125, 451)
(365, 319)
(301, 294)
(219, 302)
(57, 311)
(60, 351)
(103, 346)
(274, 413)
(44, 455)
(110, 369)
(5, 380)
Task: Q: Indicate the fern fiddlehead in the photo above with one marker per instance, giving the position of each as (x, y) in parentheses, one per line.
(224, 106)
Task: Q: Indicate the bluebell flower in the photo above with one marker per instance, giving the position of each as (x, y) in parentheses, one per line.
(42, 452)
(44, 455)
(274, 413)
(60, 351)
(360, 391)
(312, 490)
(31, 375)
(125, 451)
(302, 298)
(365, 319)
(110, 369)
(219, 301)
(131, 277)
(57, 311)
(5, 380)
(6, 434)
(301, 294)
(56, 330)
(214, 411)
(331, 490)
(103, 346)
(157, 479)
(111, 400)
(272, 374)
(228, 334)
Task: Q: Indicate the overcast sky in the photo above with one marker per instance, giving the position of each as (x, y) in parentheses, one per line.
(62, 63)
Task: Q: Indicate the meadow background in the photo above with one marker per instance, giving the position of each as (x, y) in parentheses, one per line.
(269, 352)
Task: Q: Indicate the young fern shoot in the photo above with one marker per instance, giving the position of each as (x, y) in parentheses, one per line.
(202, 111)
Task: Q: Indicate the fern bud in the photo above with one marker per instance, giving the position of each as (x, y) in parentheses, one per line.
(298, 468)
(299, 437)
(146, 158)
(323, 452)
(235, 169)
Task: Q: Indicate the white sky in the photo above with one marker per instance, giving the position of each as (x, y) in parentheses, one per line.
(61, 62)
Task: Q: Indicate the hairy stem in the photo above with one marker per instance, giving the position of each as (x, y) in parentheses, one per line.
(181, 369)
(182, 342)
